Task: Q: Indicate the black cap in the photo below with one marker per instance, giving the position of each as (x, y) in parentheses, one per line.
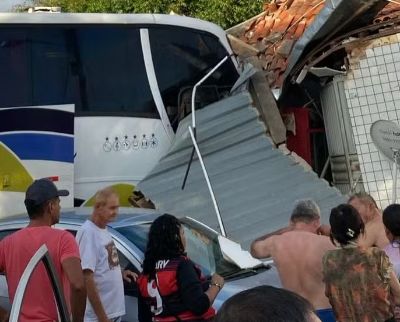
(41, 191)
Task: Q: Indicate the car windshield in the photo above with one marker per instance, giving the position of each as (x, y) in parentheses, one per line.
(204, 250)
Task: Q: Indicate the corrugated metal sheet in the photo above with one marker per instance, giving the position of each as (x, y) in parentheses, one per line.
(255, 183)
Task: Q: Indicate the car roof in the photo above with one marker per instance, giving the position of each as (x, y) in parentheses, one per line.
(127, 216)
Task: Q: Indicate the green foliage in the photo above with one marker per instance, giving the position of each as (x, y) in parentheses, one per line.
(225, 13)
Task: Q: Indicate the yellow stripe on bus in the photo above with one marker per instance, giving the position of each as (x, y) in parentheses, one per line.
(13, 175)
(123, 190)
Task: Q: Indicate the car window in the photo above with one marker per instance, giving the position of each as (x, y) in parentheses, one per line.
(198, 248)
(73, 232)
(137, 234)
(123, 261)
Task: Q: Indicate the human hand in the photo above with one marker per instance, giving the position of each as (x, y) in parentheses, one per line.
(217, 279)
(129, 275)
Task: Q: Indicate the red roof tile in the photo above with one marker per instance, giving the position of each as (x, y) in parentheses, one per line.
(286, 20)
(391, 11)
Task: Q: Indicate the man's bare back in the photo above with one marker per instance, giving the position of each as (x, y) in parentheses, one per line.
(298, 257)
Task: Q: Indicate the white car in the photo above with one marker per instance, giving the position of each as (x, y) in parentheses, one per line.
(211, 251)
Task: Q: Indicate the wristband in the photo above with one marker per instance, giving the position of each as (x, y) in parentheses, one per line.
(217, 285)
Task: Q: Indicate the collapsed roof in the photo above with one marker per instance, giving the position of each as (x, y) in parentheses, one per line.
(255, 183)
(289, 30)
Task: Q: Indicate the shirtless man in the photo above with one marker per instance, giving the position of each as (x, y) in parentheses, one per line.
(297, 252)
(371, 216)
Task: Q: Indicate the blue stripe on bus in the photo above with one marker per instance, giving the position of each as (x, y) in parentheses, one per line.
(36, 119)
(35, 146)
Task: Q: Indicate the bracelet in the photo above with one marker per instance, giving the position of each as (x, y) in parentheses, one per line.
(217, 285)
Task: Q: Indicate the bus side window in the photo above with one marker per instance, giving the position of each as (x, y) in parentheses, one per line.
(35, 64)
(98, 68)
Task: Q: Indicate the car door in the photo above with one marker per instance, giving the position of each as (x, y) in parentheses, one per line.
(131, 290)
(41, 255)
(127, 262)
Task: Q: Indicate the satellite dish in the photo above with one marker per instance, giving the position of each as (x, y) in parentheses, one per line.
(386, 137)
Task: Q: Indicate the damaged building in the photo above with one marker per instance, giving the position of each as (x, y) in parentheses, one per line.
(334, 69)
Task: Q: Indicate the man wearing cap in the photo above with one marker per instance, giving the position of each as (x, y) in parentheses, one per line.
(42, 201)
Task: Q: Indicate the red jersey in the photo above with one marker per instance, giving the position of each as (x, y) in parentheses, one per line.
(164, 296)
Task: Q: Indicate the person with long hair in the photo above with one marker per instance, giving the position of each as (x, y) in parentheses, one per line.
(360, 282)
(391, 221)
(172, 287)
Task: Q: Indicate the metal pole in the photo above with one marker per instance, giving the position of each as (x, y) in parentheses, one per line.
(394, 176)
(356, 182)
(194, 115)
(188, 167)
(198, 84)
(325, 169)
(221, 224)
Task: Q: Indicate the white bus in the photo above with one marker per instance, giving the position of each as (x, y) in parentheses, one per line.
(129, 78)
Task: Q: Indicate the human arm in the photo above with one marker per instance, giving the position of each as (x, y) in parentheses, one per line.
(71, 265)
(73, 269)
(94, 296)
(191, 289)
(262, 248)
(217, 283)
(277, 232)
